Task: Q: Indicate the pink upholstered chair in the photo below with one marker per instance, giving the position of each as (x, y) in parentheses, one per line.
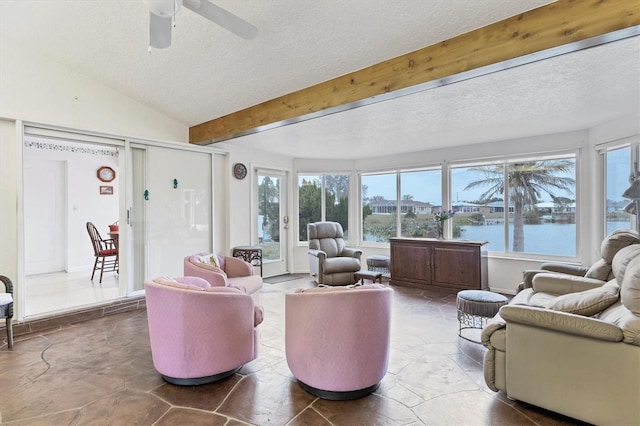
(337, 339)
(200, 333)
(224, 271)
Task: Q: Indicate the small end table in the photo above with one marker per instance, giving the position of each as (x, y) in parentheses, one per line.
(250, 254)
(369, 275)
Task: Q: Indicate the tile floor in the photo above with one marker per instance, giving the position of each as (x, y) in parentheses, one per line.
(100, 372)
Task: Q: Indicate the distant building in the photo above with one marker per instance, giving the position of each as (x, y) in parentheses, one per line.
(406, 206)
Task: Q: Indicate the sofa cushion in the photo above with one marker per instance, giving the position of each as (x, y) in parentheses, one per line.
(588, 302)
(616, 241)
(196, 281)
(340, 264)
(622, 260)
(599, 271)
(531, 298)
(209, 259)
(630, 287)
(172, 282)
(249, 285)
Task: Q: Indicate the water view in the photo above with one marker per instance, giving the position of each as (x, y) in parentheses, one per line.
(555, 239)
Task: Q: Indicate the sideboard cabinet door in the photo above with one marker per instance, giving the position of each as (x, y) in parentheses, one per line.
(450, 265)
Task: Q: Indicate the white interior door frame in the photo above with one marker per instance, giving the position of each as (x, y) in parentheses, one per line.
(280, 266)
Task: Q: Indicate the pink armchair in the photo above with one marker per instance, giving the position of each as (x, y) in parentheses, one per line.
(199, 333)
(224, 271)
(337, 339)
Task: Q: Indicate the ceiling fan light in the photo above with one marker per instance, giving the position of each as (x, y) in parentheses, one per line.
(164, 8)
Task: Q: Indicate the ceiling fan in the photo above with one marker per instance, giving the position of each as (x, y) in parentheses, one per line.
(162, 13)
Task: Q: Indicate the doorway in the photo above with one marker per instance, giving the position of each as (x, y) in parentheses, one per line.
(62, 192)
(272, 220)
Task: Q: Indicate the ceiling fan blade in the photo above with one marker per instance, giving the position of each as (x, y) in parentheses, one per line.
(159, 31)
(220, 16)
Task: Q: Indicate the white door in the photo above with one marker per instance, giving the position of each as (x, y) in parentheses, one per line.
(44, 216)
(272, 221)
(169, 210)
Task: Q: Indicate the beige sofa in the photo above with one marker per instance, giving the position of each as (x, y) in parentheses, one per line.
(570, 351)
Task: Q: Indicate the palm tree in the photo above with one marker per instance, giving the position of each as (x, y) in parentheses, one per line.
(527, 181)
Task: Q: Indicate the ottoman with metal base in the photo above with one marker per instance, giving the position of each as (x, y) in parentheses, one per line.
(378, 263)
(476, 307)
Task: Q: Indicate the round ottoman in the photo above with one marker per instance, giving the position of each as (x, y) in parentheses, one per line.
(475, 307)
(378, 263)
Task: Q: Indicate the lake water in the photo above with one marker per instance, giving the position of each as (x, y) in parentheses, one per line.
(556, 239)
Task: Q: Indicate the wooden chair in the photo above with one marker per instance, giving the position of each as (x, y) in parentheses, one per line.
(105, 251)
(6, 307)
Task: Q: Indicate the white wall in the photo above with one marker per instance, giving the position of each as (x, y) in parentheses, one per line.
(241, 192)
(35, 88)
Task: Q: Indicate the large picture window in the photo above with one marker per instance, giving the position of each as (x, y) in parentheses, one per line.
(517, 205)
(400, 203)
(619, 165)
(323, 197)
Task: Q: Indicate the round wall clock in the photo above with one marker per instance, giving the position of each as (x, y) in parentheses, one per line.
(239, 171)
(106, 174)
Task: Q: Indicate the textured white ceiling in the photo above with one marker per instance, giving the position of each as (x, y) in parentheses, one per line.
(209, 72)
(575, 91)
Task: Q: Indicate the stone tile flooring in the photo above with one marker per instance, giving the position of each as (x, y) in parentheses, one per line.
(100, 372)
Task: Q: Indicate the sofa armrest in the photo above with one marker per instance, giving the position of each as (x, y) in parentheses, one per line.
(352, 252)
(563, 268)
(321, 255)
(561, 321)
(563, 284)
(236, 267)
(527, 278)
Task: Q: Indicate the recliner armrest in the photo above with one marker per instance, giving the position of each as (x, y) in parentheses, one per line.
(561, 321)
(563, 268)
(563, 283)
(352, 252)
(318, 253)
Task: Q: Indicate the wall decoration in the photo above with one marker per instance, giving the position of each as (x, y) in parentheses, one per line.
(106, 190)
(239, 171)
(106, 174)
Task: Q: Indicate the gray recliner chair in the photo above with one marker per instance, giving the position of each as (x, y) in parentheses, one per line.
(330, 262)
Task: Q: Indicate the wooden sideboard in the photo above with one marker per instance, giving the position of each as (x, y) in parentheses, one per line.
(450, 265)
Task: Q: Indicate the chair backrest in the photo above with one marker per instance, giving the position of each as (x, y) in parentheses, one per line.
(96, 239)
(326, 236)
(337, 338)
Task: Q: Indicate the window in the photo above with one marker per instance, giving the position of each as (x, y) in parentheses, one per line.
(619, 166)
(416, 194)
(540, 203)
(323, 198)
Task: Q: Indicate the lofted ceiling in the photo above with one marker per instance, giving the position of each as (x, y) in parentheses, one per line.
(208, 72)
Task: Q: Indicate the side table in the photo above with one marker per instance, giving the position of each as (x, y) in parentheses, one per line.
(250, 254)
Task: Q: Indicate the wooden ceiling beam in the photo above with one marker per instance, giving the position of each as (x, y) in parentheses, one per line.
(550, 26)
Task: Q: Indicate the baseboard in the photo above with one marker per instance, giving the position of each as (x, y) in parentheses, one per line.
(60, 320)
